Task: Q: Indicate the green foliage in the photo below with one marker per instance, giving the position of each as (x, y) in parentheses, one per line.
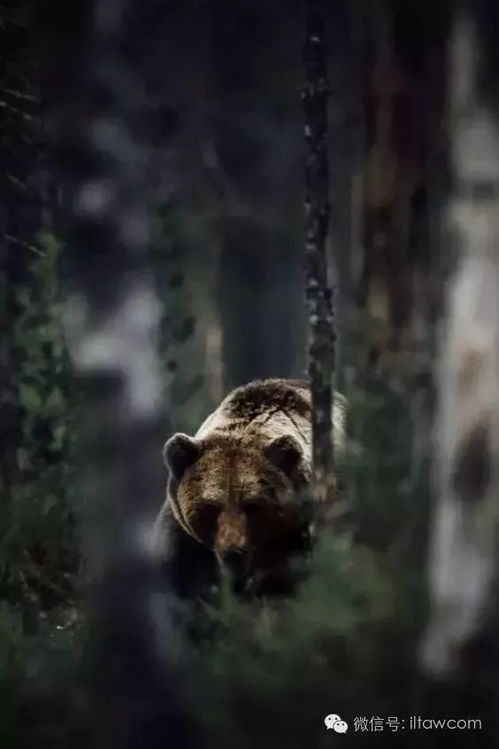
(43, 701)
(41, 694)
(43, 698)
(273, 673)
(39, 549)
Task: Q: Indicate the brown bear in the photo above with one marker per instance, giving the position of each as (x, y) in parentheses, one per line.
(235, 493)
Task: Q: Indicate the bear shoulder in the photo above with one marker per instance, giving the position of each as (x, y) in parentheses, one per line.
(253, 404)
(273, 407)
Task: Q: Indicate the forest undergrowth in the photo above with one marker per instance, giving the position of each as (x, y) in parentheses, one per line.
(349, 633)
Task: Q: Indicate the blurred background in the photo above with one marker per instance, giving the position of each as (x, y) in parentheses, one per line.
(187, 117)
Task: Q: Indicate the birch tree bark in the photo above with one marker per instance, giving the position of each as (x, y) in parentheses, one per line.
(463, 559)
(112, 324)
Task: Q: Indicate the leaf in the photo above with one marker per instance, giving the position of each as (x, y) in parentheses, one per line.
(30, 398)
(51, 246)
(60, 433)
(55, 401)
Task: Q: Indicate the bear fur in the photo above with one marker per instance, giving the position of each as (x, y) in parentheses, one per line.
(235, 491)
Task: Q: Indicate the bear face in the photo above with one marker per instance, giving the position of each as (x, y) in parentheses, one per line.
(239, 496)
(235, 498)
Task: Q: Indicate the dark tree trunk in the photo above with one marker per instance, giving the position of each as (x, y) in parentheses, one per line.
(319, 290)
(405, 182)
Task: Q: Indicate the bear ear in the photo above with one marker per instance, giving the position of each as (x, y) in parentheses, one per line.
(180, 452)
(285, 453)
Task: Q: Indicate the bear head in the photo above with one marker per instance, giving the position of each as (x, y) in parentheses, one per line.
(240, 496)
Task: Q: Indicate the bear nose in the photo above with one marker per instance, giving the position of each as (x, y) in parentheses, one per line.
(234, 559)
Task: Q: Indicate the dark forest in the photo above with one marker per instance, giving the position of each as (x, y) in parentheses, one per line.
(249, 262)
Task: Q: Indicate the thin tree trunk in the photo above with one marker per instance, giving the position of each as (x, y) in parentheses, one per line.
(319, 291)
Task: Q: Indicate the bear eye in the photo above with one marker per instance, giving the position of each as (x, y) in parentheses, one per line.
(204, 520)
(254, 507)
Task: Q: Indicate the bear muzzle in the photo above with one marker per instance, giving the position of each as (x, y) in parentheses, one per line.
(235, 563)
(233, 549)
(235, 559)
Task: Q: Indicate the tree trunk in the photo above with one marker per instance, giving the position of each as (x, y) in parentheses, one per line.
(112, 322)
(463, 563)
(319, 290)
